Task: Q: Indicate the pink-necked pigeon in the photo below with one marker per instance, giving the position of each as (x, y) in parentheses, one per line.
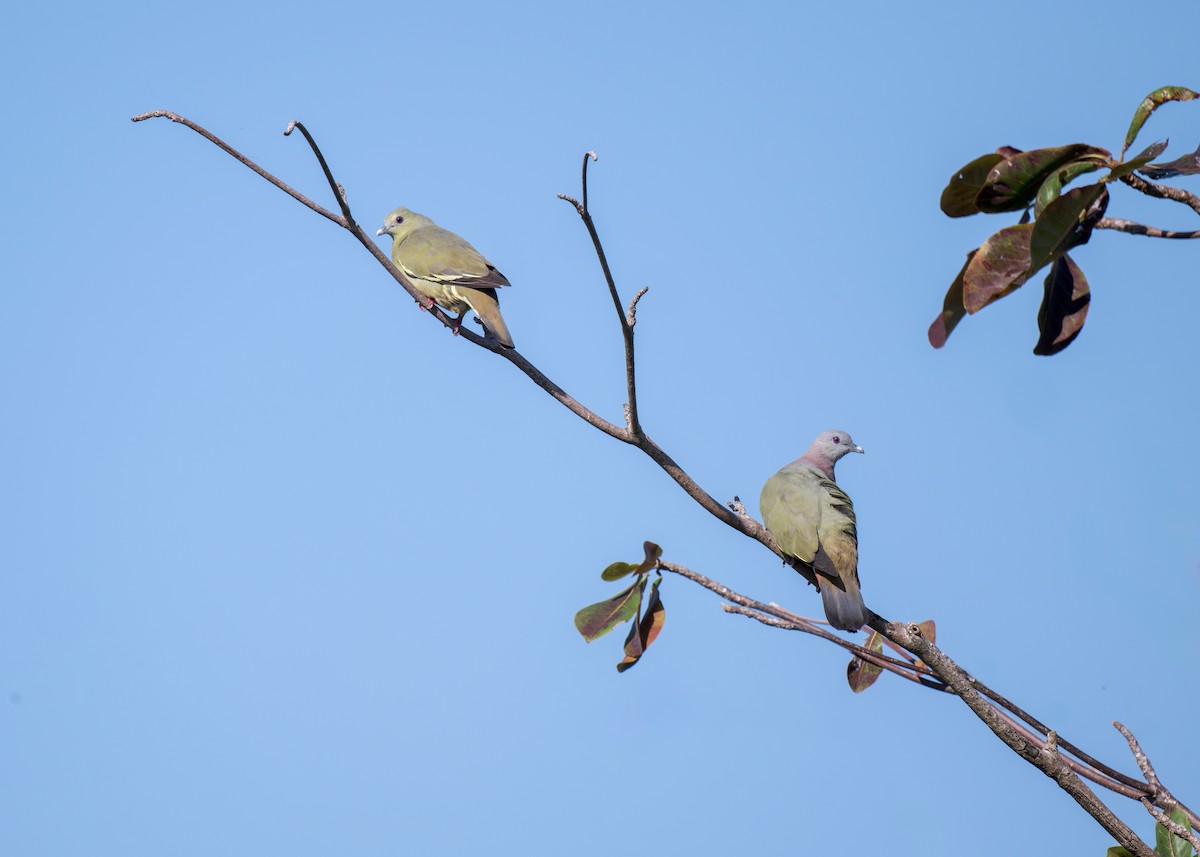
(812, 520)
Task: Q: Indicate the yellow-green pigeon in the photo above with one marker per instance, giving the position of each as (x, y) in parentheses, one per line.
(447, 270)
(813, 521)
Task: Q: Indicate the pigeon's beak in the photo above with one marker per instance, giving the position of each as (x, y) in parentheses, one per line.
(858, 449)
(382, 230)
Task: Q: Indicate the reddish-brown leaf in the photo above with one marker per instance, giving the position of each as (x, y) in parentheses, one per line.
(1188, 165)
(653, 554)
(1013, 183)
(1064, 306)
(928, 630)
(645, 631)
(958, 197)
(861, 674)
(998, 268)
(952, 308)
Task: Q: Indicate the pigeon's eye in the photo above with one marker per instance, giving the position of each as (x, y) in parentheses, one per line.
(836, 439)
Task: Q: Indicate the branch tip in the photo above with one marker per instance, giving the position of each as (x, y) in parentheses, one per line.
(1139, 756)
(291, 126)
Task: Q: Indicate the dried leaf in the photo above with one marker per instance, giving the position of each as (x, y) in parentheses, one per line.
(645, 631)
(1064, 306)
(953, 310)
(861, 674)
(928, 630)
(1151, 103)
(998, 268)
(1012, 184)
(958, 197)
(596, 620)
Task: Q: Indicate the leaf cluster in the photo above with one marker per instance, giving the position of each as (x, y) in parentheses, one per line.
(646, 613)
(1053, 222)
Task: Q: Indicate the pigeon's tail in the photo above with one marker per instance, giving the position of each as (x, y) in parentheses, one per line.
(484, 302)
(845, 610)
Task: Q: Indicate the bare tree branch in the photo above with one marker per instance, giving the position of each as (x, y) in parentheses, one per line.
(238, 156)
(1162, 191)
(775, 616)
(1043, 752)
(1048, 761)
(1143, 763)
(339, 192)
(1140, 229)
(1159, 793)
(627, 323)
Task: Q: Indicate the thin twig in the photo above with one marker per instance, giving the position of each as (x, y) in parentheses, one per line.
(1162, 191)
(1172, 825)
(339, 192)
(1140, 229)
(1143, 763)
(800, 623)
(631, 313)
(634, 424)
(882, 661)
(242, 159)
(591, 155)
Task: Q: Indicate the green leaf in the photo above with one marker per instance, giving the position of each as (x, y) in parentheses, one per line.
(617, 570)
(646, 630)
(952, 308)
(1012, 184)
(998, 268)
(1052, 187)
(1118, 851)
(1147, 155)
(1151, 103)
(1064, 306)
(860, 673)
(958, 197)
(596, 620)
(1166, 843)
(1065, 223)
(1188, 165)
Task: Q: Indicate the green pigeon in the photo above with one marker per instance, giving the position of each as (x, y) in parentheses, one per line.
(447, 270)
(813, 521)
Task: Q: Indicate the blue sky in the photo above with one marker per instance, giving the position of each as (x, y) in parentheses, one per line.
(286, 569)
